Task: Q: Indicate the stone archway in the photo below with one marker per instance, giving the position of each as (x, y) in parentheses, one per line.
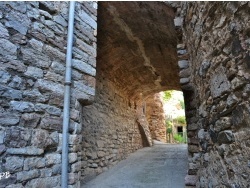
(135, 59)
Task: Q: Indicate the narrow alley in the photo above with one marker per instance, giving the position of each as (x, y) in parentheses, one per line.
(161, 166)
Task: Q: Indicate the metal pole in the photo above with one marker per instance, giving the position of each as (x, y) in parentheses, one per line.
(66, 107)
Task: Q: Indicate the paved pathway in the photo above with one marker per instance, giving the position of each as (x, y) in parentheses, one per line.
(160, 166)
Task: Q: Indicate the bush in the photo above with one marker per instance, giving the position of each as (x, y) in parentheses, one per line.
(179, 138)
(180, 119)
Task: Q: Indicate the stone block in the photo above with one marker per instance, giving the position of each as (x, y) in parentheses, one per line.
(190, 180)
(39, 107)
(7, 49)
(54, 53)
(22, 106)
(49, 86)
(4, 77)
(29, 120)
(183, 64)
(14, 164)
(73, 178)
(46, 172)
(25, 151)
(184, 80)
(83, 67)
(8, 119)
(2, 149)
(16, 83)
(76, 167)
(56, 170)
(75, 139)
(192, 127)
(17, 137)
(36, 44)
(219, 83)
(33, 163)
(10, 93)
(53, 158)
(34, 72)
(72, 157)
(3, 31)
(17, 185)
(52, 123)
(27, 175)
(48, 182)
(225, 137)
(42, 139)
(193, 148)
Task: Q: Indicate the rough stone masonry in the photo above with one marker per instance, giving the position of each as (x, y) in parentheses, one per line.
(134, 54)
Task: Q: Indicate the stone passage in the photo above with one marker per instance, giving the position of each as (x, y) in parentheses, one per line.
(134, 54)
(162, 165)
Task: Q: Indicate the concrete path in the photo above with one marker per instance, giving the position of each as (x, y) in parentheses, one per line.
(160, 166)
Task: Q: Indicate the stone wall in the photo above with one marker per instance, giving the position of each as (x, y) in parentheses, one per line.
(33, 38)
(217, 38)
(156, 117)
(113, 132)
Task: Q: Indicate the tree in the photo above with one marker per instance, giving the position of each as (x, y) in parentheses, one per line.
(167, 95)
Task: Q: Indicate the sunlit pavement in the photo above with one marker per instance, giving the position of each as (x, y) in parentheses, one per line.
(163, 165)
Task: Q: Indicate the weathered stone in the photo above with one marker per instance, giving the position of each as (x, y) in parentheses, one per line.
(34, 72)
(184, 73)
(17, 185)
(10, 93)
(76, 167)
(18, 21)
(49, 109)
(17, 137)
(29, 120)
(52, 159)
(193, 148)
(44, 85)
(222, 124)
(4, 77)
(41, 139)
(2, 149)
(27, 175)
(184, 80)
(53, 52)
(33, 163)
(219, 83)
(57, 169)
(35, 58)
(83, 67)
(237, 83)
(7, 49)
(3, 31)
(191, 180)
(37, 45)
(192, 127)
(52, 123)
(72, 157)
(226, 137)
(34, 95)
(48, 182)
(22, 106)
(7, 119)
(183, 64)
(14, 164)
(16, 82)
(25, 151)
(204, 67)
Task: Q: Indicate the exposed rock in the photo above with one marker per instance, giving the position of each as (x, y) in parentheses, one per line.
(225, 137)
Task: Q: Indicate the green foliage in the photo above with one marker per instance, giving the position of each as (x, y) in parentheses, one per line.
(179, 138)
(169, 130)
(182, 104)
(180, 119)
(167, 95)
(168, 123)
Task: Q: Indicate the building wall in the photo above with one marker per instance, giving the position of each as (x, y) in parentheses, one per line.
(111, 128)
(156, 117)
(33, 37)
(216, 36)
